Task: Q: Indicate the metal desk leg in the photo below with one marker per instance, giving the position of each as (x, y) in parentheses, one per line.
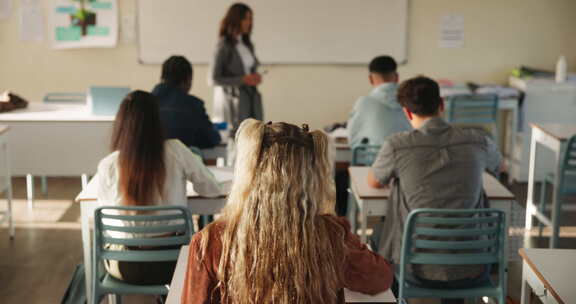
(530, 208)
(352, 210)
(44, 184)
(364, 219)
(525, 293)
(556, 206)
(84, 178)
(30, 190)
(85, 208)
(8, 178)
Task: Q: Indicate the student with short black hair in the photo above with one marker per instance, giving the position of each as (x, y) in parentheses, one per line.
(434, 166)
(183, 116)
(378, 115)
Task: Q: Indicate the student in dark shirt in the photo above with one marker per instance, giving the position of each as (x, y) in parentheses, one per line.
(183, 115)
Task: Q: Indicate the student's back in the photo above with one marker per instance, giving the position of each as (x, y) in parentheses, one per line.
(378, 115)
(434, 166)
(277, 240)
(183, 116)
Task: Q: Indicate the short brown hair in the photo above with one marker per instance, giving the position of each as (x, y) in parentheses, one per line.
(420, 95)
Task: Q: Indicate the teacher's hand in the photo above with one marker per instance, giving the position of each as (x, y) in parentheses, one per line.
(252, 79)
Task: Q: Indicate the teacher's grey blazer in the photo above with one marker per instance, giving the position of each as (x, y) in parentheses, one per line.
(233, 100)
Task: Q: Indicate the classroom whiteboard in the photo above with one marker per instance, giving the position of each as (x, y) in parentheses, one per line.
(285, 31)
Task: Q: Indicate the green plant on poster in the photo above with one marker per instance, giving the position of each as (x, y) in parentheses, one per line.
(83, 17)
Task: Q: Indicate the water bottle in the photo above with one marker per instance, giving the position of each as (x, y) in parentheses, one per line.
(561, 70)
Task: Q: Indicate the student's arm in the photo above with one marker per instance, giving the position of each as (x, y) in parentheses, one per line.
(199, 282)
(383, 167)
(364, 270)
(494, 163)
(203, 180)
(207, 136)
(221, 61)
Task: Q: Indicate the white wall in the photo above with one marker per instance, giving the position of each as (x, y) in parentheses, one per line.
(500, 35)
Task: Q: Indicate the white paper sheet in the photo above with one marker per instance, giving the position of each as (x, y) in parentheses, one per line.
(5, 9)
(31, 21)
(452, 31)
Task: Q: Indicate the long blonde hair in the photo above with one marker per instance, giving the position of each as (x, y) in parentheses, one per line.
(275, 246)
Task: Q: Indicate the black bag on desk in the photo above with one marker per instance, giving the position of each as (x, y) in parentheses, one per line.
(76, 291)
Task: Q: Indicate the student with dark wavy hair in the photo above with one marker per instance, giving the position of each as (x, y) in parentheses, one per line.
(145, 169)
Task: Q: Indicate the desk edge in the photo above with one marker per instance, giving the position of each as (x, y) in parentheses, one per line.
(548, 286)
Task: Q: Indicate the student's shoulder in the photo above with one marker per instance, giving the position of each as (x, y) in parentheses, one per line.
(197, 102)
(401, 139)
(471, 135)
(108, 163)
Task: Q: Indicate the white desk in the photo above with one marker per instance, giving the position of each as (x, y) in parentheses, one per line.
(552, 136)
(372, 202)
(550, 274)
(177, 285)
(6, 216)
(63, 140)
(88, 203)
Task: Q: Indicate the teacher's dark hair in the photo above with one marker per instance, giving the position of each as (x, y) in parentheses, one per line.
(139, 139)
(231, 24)
(176, 70)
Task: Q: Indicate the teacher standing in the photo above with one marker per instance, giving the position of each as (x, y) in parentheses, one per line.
(234, 70)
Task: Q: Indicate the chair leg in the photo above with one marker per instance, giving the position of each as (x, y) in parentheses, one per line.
(44, 184)
(30, 190)
(118, 298)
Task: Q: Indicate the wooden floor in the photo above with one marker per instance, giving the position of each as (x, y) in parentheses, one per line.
(36, 267)
(38, 264)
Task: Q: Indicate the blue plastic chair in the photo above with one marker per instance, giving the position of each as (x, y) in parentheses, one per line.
(475, 109)
(567, 179)
(364, 155)
(454, 237)
(148, 224)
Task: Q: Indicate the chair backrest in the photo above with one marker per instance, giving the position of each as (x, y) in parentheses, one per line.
(364, 155)
(65, 98)
(106, 100)
(568, 168)
(454, 237)
(156, 226)
(473, 109)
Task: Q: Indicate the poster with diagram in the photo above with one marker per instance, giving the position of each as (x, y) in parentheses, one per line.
(84, 23)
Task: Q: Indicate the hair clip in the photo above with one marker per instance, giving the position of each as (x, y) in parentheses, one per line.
(269, 122)
(305, 128)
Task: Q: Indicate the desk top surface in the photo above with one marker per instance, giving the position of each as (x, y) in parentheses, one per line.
(53, 112)
(557, 130)
(555, 268)
(177, 285)
(223, 175)
(359, 178)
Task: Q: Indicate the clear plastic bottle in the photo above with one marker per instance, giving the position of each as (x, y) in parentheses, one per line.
(561, 70)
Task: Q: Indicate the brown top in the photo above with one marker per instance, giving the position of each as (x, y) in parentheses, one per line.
(364, 270)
